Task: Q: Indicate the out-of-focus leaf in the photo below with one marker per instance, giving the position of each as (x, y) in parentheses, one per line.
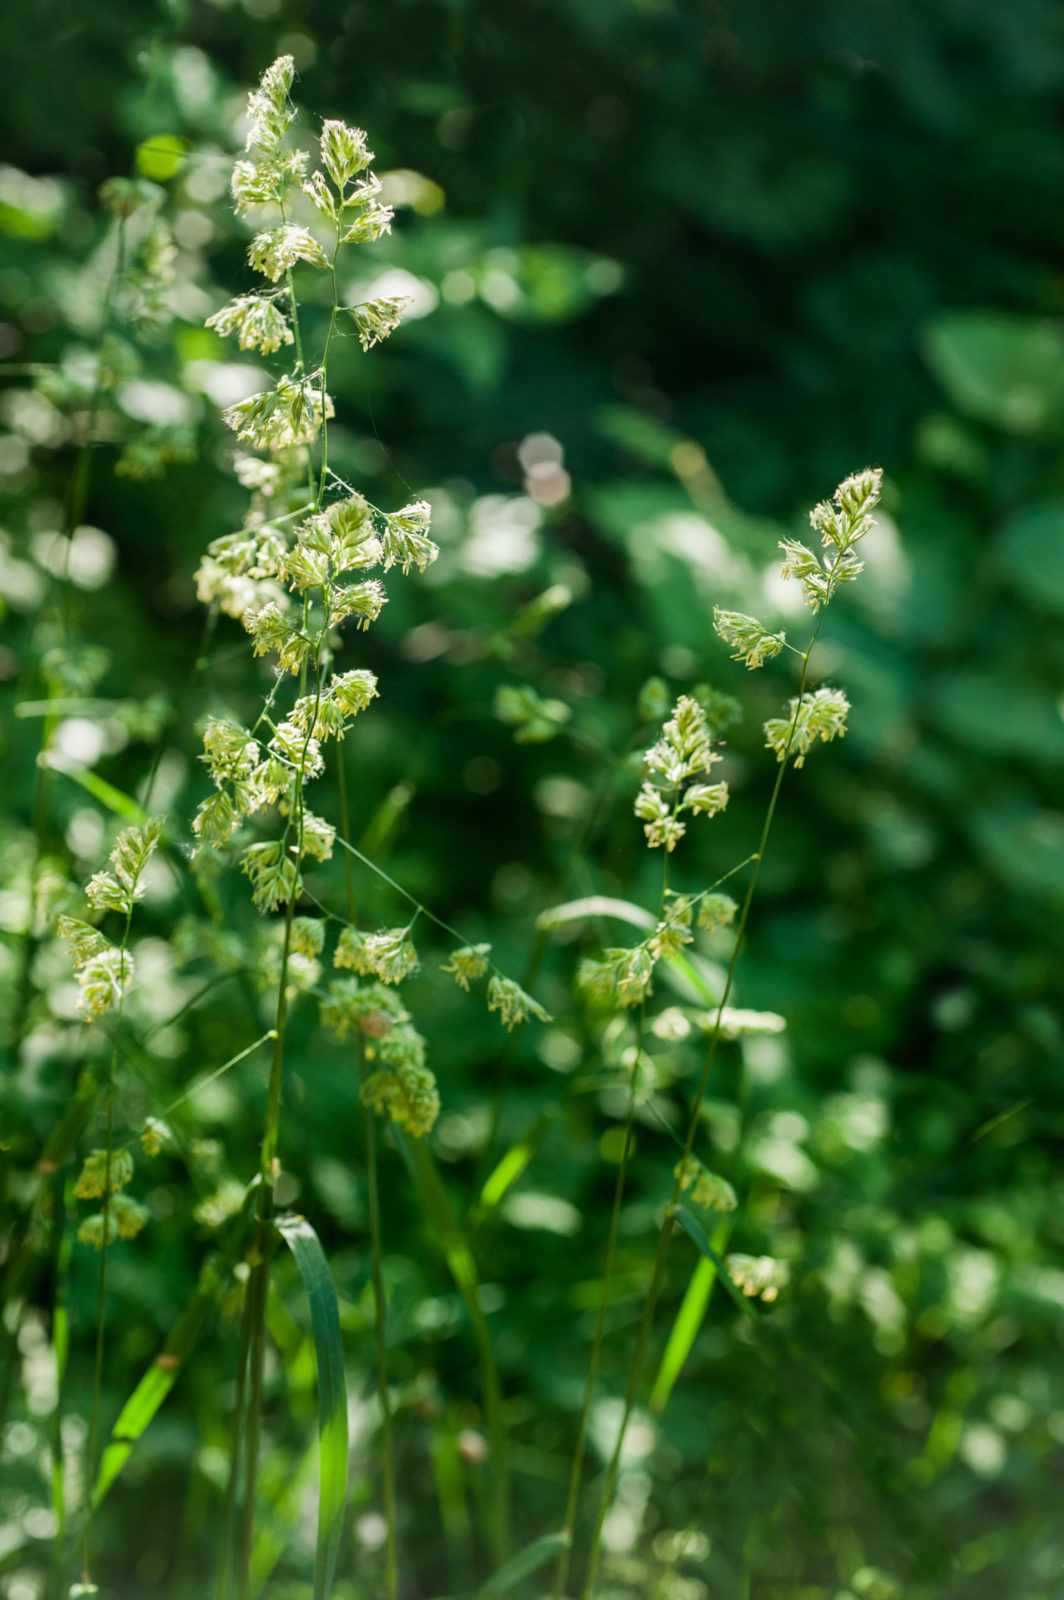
(332, 1395)
(1004, 369)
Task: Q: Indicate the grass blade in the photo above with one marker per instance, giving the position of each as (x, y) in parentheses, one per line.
(123, 805)
(595, 905)
(305, 1245)
(463, 1269)
(692, 1226)
(509, 1168)
(688, 1321)
(161, 1376)
(520, 1566)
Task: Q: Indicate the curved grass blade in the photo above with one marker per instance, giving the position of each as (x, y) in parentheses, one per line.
(161, 1376)
(695, 1231)
(520, 1566)
(123, 805)
(305, 1245)
(463, 1269)
(595, 905)
(688, 1321)
(506, 1172)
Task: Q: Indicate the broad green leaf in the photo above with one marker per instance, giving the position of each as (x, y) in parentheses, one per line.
(1030, 554)
(692, 1226)
(1004, 369)
(522, 1565)
(332, 1394)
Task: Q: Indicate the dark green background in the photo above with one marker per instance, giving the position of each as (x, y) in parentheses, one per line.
(841, 237)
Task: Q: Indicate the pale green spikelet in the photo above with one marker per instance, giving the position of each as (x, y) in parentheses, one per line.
(100, 1173)
(684, 751)
(468, 963)
(154, 1135)
(124, 1219)
(274, 874)
(257, 320)
(673, 931)
(371, 223)
(512, 1003)
(289, 414)
(376, 319)
(705, 799)
(622, 976)
(759, 1277)
(408, 1095)
(404, 541)
(684, 748)
(660, 824)
(845, 519)
(271, 629)
(716, 911)
(344, 152)
(353, 690)
(317, 836)
(388, 955)
(308, 936)
(820, 715)
(752, 643)
(103, 971)
(535, 720)
(368, 1008)
(269, 113)
(120, 890)
(707, 1189)
(274, 251)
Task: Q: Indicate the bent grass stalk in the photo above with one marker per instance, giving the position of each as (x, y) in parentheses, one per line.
(841, 523)
(251, 575)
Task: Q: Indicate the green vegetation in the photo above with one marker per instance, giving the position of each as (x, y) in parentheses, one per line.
(605, 1148)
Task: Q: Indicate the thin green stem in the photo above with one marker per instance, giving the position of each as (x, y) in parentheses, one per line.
(664, 1237)
(576, 1470)
(260, 1254)
(101, 1300)
(391, 1550)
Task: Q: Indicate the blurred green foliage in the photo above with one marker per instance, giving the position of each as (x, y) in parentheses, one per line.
(678, 267)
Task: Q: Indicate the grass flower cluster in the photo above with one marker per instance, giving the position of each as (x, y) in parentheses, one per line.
(300, 583)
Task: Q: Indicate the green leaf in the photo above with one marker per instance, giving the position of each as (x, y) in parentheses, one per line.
(1004, 369)
(595, 905)
(123, 805)
(692, 1226)
(688, 1321)
(507, 1171)
(1030, 554)
(463, 1269)
(163, 1373)
(305, 1245)
(521, 1565)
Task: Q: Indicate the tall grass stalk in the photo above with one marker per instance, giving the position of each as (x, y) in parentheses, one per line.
(841, 524)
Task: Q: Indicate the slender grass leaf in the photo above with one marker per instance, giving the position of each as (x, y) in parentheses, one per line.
(305, 1245)
(163, 1373)
(692, 1226)
(688, 1321)
(507, 1171)
(123, 805)
(595, 905)
(463, 1269)
(522, 1565)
